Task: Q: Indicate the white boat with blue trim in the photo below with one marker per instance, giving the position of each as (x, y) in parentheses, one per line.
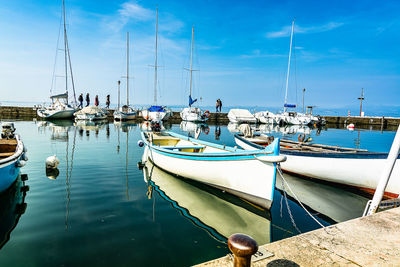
(247, 174)
(12, 156)
(355, 167)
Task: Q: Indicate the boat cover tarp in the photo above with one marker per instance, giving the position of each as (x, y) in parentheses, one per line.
(90, 110)
(65, 95)
(241, 114)
(156, 109)
(289, 105)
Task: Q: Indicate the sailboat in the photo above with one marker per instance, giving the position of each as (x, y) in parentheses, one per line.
(287, 117)
(156, 112)
(60, 108)
(125, 112)
(190, 113)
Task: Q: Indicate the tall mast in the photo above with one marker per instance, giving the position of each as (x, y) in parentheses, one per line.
(119, 83)
(288, 68)
(65, 51)
(155, 64)
(191, 64)
(127, 68)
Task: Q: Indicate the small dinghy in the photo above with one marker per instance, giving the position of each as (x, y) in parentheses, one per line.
(12, 156)
(247, 174)
(355, 167)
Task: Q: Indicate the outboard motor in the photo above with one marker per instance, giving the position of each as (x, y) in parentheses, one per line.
(7, 130)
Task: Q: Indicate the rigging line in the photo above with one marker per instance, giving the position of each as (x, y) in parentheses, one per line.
(295, 69)
(70, 68)
(55, 59)
(301, 204)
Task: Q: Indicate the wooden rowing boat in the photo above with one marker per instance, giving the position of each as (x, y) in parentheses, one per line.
(247, 174)
(355, 167)
(12, 156)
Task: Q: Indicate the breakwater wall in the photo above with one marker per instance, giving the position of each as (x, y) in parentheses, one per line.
(11, 112)
(358, 121)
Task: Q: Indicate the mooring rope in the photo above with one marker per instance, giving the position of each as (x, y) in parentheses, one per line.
(295, 196)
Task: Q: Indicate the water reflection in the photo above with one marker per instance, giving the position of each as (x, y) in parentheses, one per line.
(194, 129)
(12, 206)
(207, 209)
(162, 126)
(222, 214)
(60, 132)
(326, 200)
(125, 127)
(58, 128)
(217, 132)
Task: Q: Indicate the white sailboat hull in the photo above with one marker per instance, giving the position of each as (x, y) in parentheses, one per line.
(193, 115)
(67, 113)
(155, 115)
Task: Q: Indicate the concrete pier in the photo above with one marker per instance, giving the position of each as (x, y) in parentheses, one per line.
(366, 241)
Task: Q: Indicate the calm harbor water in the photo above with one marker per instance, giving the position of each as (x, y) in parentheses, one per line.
(102, 210)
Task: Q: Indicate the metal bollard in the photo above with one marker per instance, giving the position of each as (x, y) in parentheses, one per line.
(242, 247)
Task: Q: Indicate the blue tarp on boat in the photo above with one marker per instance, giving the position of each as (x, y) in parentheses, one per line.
(156, 109)
(289, 105)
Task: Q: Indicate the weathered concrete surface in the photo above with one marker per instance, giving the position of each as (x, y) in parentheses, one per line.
(368, 241)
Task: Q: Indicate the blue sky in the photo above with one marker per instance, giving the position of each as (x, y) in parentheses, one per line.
(241, 50)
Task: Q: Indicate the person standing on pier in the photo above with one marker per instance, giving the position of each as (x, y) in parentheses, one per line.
(80, 99)
(220, 105)
(217, 105)
(96, 101)
(87, 99)
(108, 101)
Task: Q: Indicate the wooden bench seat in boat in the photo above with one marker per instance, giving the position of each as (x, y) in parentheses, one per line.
(7, 147)
(6, 154)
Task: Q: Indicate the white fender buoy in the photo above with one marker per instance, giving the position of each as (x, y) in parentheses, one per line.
(52, 162)
(350, 127)
(140, 143)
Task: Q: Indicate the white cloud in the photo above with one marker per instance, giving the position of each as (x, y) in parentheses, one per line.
(285, 31)
(132, 10)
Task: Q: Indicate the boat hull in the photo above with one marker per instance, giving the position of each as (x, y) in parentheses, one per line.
(10, 167)
(58, 114)
(122, 116)
(155, 115)
(362, 170)
(193, 115)
(246, 176)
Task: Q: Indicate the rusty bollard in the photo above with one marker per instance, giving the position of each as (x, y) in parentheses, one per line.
(242, 247)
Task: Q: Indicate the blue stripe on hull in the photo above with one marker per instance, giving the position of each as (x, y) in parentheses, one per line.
(8, 174)
(356, 155)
